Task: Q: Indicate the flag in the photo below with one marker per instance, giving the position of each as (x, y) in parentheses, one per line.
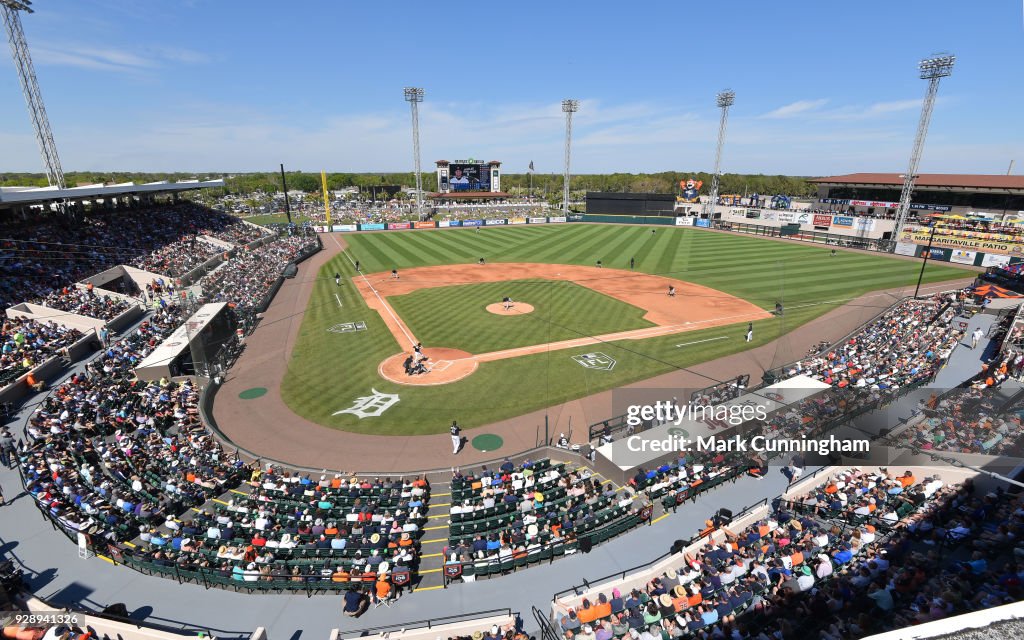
(531, 166)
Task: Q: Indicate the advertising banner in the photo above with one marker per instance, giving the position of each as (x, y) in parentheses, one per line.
(557, 219)
(576, 218)
(449, 223)
(786, 217)
(822, 220)
(994, 260)
(429, 224)
(864, 224)
(344, 227)
(874, 203)
(702, 223)
(960, 256)
(887, 205)
(803, 218)
(966, 240)
(472, 223)
(538, 220)
(494, 222)
(767, 214)
(842, 221)
(685, 221)
(517, 221)
(319, 228)
(905, 249)
(400, 225)
(370, 226)
(937, 254)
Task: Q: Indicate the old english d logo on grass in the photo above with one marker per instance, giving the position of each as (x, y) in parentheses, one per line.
(371, 406)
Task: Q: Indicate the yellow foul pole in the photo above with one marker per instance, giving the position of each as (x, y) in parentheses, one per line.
(327, 200)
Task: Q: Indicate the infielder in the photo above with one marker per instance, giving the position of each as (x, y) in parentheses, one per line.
(750, 331)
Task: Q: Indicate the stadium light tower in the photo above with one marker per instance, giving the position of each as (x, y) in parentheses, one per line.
(10, 9)
(932, 69)
(725, 99)
(414, 96)
(569, 107)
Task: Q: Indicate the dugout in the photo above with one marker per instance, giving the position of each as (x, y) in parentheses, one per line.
(631, 204)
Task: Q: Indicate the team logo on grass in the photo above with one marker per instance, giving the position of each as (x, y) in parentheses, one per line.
(371, 406)
(596, 360)
(348, 327)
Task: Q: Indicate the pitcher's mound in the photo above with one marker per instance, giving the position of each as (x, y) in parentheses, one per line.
(442, 366)
(517, 309)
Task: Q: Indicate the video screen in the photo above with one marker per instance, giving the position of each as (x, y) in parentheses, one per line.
(469, 177)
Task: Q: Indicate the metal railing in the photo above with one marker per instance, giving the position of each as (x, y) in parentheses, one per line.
(430, 623)
(621, 575)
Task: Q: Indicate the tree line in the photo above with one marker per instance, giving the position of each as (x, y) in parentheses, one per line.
(547, 185)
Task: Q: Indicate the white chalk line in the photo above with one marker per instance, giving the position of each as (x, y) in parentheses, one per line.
(700, 341)
(412, 341)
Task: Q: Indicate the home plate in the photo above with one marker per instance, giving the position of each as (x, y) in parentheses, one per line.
(441, 365)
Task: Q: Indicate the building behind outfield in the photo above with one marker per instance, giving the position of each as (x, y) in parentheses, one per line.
(878, 194)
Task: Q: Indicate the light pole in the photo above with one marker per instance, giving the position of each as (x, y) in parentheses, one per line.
(932, 69)
(30, 87)
(569, 107)
(724, 100)
(414, 96)
(927, 254)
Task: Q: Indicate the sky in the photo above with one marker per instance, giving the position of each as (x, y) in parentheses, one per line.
(822, 88)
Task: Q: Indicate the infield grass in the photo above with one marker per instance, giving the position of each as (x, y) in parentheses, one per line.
(439, 316)
(328, 371)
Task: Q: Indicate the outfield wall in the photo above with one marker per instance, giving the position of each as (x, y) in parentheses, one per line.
(443, 224)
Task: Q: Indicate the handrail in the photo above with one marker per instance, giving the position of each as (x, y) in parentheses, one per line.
(621, 575)
(430, 623)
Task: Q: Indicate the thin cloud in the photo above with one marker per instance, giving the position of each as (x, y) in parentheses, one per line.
(113, 59)
(800, 107)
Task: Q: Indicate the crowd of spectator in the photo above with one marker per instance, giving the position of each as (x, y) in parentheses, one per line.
(179, 257)
(293, 528)
(110, 455)
(86, 302)
(512, 511)
(909, 343)
(841, 575)
(28, 343)
(245, 279)
(968, 420)
(51, 251)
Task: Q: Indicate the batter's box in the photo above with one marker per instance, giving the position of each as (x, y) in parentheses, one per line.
(441, 365)
(348, 327)
(596, 360)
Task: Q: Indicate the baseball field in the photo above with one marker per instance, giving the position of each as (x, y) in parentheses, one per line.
(574, 328)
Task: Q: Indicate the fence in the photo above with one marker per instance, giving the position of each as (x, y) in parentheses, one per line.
(819, 237)
(430, 623)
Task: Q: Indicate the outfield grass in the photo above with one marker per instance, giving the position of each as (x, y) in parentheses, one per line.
(440, 317)
(329, 370)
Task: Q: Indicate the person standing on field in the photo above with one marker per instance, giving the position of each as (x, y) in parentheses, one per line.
(750, 331)
(456, 437)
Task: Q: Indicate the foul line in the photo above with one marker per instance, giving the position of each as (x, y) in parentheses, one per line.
(700, 341)
(339, 301)
(412, 341)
